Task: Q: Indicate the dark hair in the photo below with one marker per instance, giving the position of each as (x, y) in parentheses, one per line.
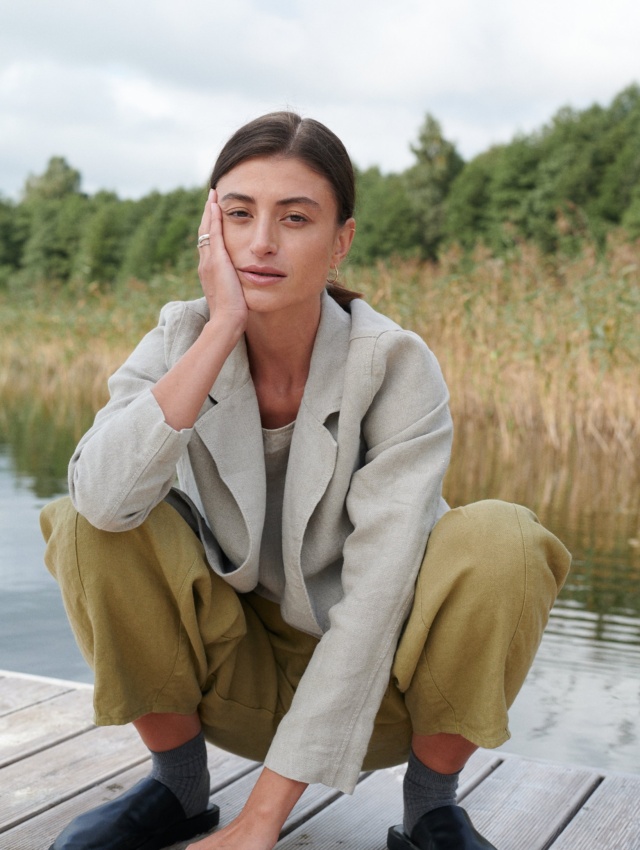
(286, 134)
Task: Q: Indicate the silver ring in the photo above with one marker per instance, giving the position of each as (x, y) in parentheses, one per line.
(203, 240)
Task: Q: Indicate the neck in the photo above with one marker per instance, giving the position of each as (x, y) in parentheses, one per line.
(279, 345)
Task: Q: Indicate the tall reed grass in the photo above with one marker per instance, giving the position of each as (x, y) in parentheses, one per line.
(532, 349)
(539, 354)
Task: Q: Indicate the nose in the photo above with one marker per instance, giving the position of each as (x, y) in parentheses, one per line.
(263, 240)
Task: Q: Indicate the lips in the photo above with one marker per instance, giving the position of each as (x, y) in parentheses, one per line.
(262, 275)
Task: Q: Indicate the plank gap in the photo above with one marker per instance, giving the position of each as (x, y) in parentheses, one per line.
(41, 701)
(63, 798)
(578, 803)
(468, 785)
(223, 781)
(27, 753)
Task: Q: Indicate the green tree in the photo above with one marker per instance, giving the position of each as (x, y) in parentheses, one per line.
(55, 230)
(14, 232)
(101, 251)
(385, 222)
(58, 180)
(571, 180)
(428, 183)
(53, 207)
(467, 207)
(175, 247)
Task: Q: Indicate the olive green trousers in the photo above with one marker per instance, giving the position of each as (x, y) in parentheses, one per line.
(164, 633)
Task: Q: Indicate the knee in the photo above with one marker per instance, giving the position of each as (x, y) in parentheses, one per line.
(502, 550)
(58, 516)
(480, 543)
(76, 549)
(58, 522)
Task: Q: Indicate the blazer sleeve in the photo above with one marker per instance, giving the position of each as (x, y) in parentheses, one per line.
(126, 463)
(393, 502)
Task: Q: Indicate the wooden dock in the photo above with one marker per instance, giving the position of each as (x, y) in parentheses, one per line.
(55, 764)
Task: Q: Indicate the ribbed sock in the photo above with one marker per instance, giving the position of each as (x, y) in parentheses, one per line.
(425, 789)
(184, 771)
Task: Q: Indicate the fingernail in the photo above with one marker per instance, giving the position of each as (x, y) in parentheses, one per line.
(210, 193)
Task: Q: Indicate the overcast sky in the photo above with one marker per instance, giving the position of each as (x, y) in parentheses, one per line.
(140, 94)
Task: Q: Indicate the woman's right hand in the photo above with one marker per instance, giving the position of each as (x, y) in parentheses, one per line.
(181, 391)
(218, 277)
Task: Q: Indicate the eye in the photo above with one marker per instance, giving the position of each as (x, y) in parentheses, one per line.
(296, 218)
(237, 213)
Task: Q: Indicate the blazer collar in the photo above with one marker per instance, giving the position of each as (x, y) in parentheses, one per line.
(323, 390)
(231, 430)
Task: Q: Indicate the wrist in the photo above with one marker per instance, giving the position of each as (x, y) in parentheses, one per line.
(273, 796)
(225, 326)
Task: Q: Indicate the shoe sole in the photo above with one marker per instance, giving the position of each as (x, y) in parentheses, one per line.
(187, 829)
(183, 831)
(397, 839)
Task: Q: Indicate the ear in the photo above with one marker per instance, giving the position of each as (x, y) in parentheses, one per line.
(344, 238)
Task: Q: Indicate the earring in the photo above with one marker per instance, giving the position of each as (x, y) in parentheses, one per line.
(334, 271)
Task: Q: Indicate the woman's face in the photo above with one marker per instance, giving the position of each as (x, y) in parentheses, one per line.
(279, 221)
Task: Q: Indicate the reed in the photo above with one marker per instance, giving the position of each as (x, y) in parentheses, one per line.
(531, 350)
(537, 353)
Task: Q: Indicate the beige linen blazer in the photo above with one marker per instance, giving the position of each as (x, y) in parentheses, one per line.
(370, 447)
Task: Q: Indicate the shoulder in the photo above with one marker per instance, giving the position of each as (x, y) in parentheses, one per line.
(180, 323)
(367, 322)
(390, 349)
(175, 312)
(382, 336)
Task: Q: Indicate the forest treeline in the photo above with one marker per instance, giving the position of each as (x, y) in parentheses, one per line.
(568, 183)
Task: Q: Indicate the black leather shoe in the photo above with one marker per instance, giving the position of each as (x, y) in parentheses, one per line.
(446, 828)
(146, 817)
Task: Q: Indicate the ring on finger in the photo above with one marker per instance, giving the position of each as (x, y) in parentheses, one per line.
(203, 240)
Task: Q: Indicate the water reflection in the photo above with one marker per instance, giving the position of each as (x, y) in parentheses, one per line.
(34, 634)
(38, 446)
(580, 701)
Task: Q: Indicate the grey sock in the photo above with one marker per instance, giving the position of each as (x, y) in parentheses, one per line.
(184, 771)
(425, 789)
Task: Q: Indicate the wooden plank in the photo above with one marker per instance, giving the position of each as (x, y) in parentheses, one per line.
(232, 798)
(17, 693)
(29, 786)
(41, 830)
(25, 732)
(479, 766)
(609, 820)
(360, 821)
(314, 800)
(527, 804)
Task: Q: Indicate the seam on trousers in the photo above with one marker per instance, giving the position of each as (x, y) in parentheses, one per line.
(180, 637)
(230, 701)
(75, 546)
(116, 720)
(525, 582)
(486, 741)
(435, 684)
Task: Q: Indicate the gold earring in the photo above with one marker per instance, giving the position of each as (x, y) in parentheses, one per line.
(334, 279)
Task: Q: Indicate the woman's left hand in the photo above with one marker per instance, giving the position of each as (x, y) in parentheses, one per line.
(258, 825)
(238, 835)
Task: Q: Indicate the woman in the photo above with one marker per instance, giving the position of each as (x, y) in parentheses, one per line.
(261, 604)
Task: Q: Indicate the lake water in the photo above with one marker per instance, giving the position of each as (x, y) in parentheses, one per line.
(580, 702)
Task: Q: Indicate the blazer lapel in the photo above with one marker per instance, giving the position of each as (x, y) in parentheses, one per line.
(231, 431)
(313, 453)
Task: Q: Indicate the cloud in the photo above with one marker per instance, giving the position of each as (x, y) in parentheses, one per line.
(141, 95)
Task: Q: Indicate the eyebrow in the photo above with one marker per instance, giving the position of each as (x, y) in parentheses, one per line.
(285, 202)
